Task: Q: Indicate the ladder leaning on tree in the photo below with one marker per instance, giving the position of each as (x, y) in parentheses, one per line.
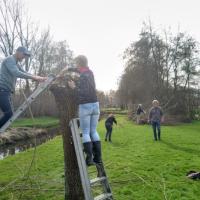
(87, 184)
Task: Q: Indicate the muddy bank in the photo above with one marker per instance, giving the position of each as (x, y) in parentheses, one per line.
(15, 135)
(20, 139)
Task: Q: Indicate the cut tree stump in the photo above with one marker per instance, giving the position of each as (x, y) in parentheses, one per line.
(66, 102)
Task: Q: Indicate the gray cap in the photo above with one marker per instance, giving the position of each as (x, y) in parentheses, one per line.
(24, 51)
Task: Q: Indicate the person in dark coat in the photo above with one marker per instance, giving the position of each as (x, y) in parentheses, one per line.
(88, 110)
(109, 124)
(139, 112)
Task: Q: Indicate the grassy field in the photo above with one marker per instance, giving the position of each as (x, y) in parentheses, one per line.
(138, 168)
(42, 122)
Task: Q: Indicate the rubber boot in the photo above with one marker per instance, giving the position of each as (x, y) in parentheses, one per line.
(88, 151)
(154, 133)
(97, 152)
(155, 136)
(158, 134)
(106, 136)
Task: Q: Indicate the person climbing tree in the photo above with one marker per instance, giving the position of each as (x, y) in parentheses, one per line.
(9, 72)
(109, 126)
(155, 118)
(88, 110)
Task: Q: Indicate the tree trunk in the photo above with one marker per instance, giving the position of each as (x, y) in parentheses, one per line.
(66, 102)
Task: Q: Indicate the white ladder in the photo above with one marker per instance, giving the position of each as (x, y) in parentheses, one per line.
(87, 184)
(27, 102)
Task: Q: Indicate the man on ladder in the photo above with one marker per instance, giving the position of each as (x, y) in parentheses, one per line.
(9, 72)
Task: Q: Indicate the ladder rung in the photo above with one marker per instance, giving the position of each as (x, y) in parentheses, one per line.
(103, 196)
(87, 184)
(96, 180)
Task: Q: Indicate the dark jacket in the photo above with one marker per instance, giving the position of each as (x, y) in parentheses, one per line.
(155, 114)
(86, 87)
(139, 111)
(110, 120)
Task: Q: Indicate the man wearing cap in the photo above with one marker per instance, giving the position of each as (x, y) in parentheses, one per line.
(9, 72)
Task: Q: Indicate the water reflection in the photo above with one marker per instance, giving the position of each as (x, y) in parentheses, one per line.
(24, 145)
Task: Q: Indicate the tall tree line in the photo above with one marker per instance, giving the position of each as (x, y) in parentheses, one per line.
(162, 66)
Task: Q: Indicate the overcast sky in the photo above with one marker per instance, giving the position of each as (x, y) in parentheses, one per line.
(102, 29)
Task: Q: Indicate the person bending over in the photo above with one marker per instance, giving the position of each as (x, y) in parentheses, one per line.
(109, 124)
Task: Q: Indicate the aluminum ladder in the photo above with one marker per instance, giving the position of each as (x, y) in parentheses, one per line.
(28, 101)
(87, 184)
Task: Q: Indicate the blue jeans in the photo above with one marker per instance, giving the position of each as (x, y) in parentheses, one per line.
(89, 116)
(5, 106)
(109, 131)
(156, 128)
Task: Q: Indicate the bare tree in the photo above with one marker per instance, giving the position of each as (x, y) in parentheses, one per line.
(161, 66)
(16, 28)
(9, 14)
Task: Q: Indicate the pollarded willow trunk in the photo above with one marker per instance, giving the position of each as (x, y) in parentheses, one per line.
(66, 102)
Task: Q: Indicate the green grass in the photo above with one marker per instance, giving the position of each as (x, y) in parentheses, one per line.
(42, 122)
(138, 168)
(115, 111)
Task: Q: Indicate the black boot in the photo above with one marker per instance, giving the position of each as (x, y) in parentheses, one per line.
(88, 151)
(155, 135)
(97, 152)
(158, 134)
(107, 133)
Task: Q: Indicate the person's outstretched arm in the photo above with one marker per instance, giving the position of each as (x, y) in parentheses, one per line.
(114, 120)
(143, 111)
(19, 73)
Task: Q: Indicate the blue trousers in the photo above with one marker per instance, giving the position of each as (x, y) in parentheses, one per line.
(156, 129)
(89, 116)
(109, 131)
(5, 106)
